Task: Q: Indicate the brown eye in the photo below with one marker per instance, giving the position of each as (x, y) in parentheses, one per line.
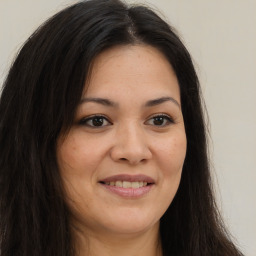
(95, 121)
(160, 120)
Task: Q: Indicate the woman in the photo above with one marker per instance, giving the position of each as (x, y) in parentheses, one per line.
(103, 142)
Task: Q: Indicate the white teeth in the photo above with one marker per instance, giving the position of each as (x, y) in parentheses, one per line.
(135, 184)
(127, 184)
(119, 184)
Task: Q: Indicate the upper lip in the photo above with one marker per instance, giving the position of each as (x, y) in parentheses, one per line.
(127, 177)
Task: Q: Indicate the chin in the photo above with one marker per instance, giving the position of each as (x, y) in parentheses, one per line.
(131, 222)
(131, 228)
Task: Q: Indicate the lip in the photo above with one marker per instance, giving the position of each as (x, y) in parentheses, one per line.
(131, 178)
(129, 192)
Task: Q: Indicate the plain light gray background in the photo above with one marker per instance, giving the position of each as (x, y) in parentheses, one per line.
(221, 37)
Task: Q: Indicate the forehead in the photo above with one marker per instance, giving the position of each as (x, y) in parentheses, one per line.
(138, 70)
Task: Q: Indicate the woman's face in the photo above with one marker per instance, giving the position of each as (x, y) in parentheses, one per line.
(121, 162)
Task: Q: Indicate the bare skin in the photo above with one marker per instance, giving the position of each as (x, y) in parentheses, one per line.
(106, 245)
(129, 125)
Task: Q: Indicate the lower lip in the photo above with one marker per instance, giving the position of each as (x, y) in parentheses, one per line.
(129, 192)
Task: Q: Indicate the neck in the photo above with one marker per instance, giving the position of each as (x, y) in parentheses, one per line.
(107, 243)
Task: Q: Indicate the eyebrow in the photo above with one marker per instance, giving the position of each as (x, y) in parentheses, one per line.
(161, 100)
(150, 103)
(101, 101)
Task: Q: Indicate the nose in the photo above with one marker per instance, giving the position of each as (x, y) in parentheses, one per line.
(130, 145)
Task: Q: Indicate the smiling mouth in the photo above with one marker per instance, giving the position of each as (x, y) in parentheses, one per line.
(127, 184)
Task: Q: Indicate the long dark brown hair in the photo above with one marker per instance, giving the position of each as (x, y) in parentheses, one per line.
(38, 101)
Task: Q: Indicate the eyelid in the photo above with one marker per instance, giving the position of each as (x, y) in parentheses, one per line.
(83, 120)
(168, 117)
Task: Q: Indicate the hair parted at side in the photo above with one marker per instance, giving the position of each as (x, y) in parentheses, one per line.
(38, 101)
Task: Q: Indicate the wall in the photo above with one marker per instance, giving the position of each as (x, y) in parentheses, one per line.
(221, 37)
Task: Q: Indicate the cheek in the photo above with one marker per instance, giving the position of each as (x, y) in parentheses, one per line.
(77, 156)
(171, 154)
(76, 165)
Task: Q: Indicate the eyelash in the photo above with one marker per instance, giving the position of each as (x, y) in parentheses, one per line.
(85, 120)
(167, 119)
